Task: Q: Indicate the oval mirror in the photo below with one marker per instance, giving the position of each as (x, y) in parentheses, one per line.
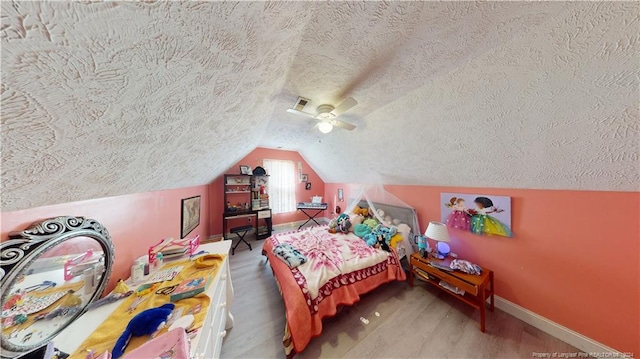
(50, 273)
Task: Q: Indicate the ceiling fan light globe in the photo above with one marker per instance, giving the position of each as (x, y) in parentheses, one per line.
(325, 127)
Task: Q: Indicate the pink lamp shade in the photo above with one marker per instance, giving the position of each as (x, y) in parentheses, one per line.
(437, 231)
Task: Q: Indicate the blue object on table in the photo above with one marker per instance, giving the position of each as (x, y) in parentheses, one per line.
(199, 253)
(443, 249)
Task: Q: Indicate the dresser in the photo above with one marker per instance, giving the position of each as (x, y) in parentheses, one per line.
(208, 341)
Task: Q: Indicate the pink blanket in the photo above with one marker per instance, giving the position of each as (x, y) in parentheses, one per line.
(339, 269)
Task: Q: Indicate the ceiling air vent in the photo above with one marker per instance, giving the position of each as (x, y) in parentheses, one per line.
(300, 103)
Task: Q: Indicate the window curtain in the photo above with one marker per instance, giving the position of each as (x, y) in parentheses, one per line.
(282, 185)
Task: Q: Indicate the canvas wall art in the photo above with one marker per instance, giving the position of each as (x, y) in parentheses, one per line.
(190, 217)
(477, 213)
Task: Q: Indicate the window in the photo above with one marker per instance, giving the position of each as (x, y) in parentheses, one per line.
(282, 185)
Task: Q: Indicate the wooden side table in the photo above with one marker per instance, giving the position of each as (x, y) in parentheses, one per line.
(478, 288)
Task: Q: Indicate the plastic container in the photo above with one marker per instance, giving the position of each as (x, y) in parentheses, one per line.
(137, 272)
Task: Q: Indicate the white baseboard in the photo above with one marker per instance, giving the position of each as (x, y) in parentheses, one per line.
(563, 333)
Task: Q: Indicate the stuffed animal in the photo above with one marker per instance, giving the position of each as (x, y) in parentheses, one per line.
(355, 220)
(372, 223)
(144, 323)
(332, 225)
(361, 230)
(397, 238)
(405, 230)
(361, 211)
(380, 237)
(343, 223)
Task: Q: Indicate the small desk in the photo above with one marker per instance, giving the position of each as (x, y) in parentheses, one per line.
(240, 214)
(255, 216)
(478, 288)
(304, 206)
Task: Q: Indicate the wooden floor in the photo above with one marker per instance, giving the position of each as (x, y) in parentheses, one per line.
(418, 322)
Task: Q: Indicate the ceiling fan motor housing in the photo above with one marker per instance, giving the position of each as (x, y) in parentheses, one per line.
(324, 112)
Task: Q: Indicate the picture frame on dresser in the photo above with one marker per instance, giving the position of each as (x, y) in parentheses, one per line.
(189, 215)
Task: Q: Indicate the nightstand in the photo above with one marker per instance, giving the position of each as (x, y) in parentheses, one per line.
(478, 288)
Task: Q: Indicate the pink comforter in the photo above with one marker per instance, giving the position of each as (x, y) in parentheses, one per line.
(339, 269)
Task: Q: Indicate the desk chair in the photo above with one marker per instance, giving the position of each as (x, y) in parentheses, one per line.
(240, 232)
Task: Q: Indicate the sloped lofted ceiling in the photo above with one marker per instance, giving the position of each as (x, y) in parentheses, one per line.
(103, 99)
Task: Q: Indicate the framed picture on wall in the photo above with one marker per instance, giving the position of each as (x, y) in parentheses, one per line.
(307, 186)
(480, 214)
(190, 215)
(340, 195)
(245, 170)
(304, 177)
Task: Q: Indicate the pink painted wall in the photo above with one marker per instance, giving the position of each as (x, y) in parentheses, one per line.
(574, 257)
(253, 160)
(135, 221)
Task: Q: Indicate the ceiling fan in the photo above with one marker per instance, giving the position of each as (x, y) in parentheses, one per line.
(326, 114)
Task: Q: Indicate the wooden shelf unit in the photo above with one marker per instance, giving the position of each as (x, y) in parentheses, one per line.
(247, 201)
(477, 288)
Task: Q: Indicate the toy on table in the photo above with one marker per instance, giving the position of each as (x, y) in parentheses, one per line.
(121, 287)
(144, 323)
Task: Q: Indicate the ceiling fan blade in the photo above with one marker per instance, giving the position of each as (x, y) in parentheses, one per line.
(290, 110)
(348, 103)
(342, 124)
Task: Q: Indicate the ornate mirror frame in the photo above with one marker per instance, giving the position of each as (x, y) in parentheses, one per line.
(23, 248)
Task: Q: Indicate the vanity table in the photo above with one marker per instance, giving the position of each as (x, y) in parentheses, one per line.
(208, 341)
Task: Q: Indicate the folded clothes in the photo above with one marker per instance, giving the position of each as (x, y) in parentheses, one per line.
(289, 254)
(465, 266)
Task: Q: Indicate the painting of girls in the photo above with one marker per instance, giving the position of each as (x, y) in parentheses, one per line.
(459, 217)
(479, 214)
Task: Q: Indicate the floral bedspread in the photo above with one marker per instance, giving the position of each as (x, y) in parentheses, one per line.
(334, 260)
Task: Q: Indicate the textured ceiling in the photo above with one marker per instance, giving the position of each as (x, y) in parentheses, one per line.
(102, 99)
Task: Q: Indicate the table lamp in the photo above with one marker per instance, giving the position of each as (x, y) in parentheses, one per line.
(438, 232)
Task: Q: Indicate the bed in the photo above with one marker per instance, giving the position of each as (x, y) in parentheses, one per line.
(340, 268)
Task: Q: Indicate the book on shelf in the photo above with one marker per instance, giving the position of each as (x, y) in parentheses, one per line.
(421, 274)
